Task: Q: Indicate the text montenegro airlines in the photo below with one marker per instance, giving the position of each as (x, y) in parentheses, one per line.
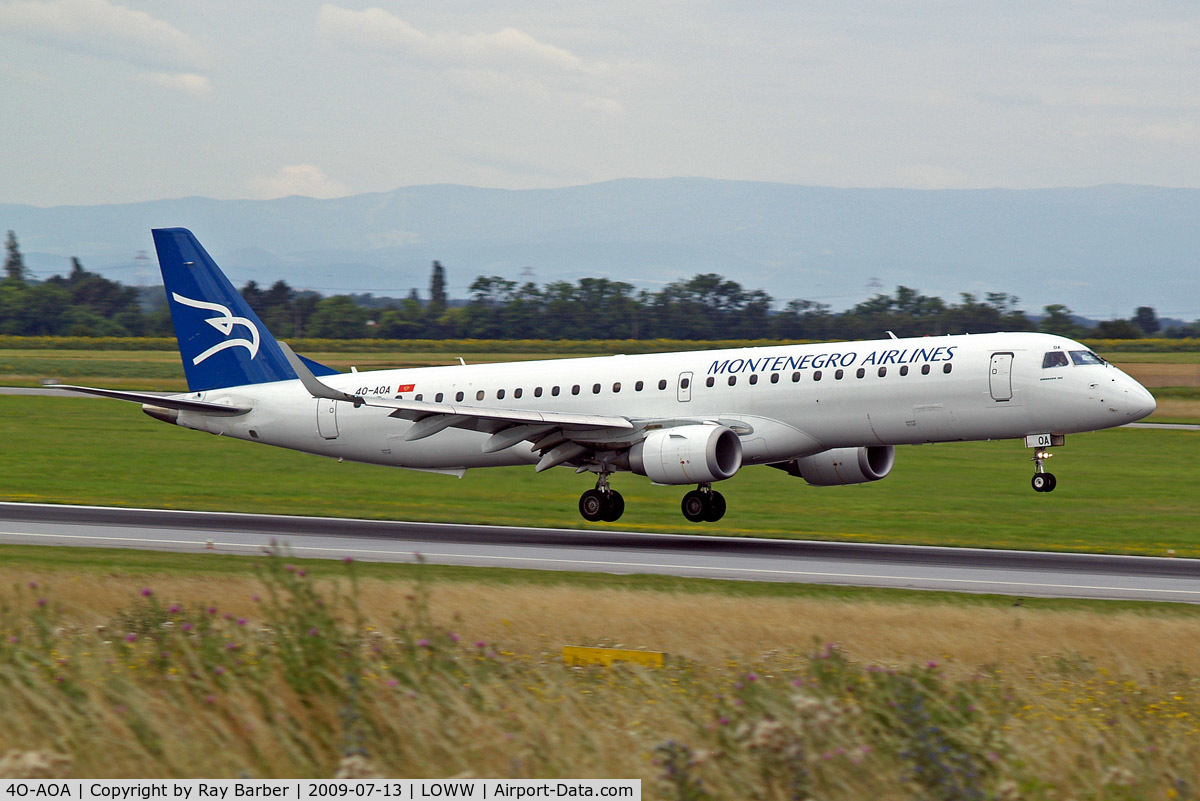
(773, 364)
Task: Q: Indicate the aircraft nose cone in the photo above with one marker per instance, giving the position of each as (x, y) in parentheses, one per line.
(1139, 402)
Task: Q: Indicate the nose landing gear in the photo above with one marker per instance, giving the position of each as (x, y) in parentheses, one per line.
(703, 505)
(1042, 481)
(601, 503)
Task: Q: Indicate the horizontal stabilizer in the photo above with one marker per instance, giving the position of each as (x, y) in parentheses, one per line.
(162, 401)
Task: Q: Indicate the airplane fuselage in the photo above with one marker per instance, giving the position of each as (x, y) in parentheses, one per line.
(783, 401)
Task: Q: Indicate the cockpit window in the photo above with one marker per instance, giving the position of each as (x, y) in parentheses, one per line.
(1085, 357)
(1055, 358)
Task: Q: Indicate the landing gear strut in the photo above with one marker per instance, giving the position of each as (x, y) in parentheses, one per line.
(1042, 481)
(601, 503)
(703, 504)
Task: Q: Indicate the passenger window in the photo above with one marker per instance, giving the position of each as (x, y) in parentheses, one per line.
(862, 371)
(617, 387)
(774, 378)
(554, 391)
(438, 397)
(754, 378)
(947, 367)
(517, 392)
(732, 380)
(638, 386)
(575, 390)
(708, 382)
(838, 374)
(537, 392)
(684, 383)
(816, 375)
(904, 369)
(1055, 358)
(458, 397)
(417, 397)
(479, 395)
(882, 372)
(924, 369)
(595, 389)
(499, 394)
(662, 384)
(796, 377)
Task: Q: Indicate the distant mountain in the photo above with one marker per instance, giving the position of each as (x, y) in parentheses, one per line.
(1100, 250)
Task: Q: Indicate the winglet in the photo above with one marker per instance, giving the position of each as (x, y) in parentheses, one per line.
(310, 381)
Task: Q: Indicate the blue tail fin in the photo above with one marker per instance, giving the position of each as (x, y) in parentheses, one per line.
(221, 340)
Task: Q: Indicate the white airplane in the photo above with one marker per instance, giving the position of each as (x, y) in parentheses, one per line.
(829, 413)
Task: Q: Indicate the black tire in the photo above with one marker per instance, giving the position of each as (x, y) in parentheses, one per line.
(695, 506)
(592, 505)
(716, 507)
(614, 508)
(1051, 482)
(1041, 482)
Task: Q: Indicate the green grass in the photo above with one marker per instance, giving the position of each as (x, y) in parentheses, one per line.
(1121, 491)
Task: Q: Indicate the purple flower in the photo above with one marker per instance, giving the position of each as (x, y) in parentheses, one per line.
(751, 677)
(931, 664)
(130, 637)
(241, 621)
(186, 627)
(41, 602)
(210, 699)
(480, 644)
(147, 592)
(301, 573)
(231, 646)
(348, 559)
(290, 568)
(393, 683)
(423, 643)
(33, 585)
(313, 632)
(212, 610)
(255, 598)
(220, 671)
(724, 721)
(174, 610)
(454, 637)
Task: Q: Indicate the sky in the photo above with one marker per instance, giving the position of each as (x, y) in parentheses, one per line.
(112, 101)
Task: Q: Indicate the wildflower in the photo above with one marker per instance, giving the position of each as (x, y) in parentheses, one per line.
(210, 699)
(313, 632)
(231, 646)
(723, 720)
(241, 621)
(301, 573)
(751, 677)
(454, 637)
(41, 601)
(212, 610)
(347, 560)
(290, 568)
(131, 637)
(480, 644)
(219, 670)
(186, 627)
(147, 592)
(255, 598)
(931, 664)
(423, 643)
(174, 610)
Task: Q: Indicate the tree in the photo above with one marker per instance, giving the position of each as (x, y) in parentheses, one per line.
(1117, 329)
(437, 290)
(14, 263)
(1058, 320)
(1145, 319)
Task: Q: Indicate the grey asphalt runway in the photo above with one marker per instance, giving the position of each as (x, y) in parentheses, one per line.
(954, 569)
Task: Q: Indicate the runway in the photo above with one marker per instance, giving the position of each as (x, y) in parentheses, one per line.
(913, 567)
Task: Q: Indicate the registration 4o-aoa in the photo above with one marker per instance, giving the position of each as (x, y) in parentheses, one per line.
(830, 414)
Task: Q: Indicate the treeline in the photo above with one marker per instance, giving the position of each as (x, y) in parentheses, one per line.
(704, 307)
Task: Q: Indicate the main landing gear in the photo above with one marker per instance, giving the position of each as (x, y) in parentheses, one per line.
(1042, 481)
(703, 505)
(602, 503)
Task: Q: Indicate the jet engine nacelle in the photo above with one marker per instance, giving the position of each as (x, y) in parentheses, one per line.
(845, 465)
(687, 455)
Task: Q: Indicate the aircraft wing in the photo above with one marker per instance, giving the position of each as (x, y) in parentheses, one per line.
(161, 401)
(550, 432)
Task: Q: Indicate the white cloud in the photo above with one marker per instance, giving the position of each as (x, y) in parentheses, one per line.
(100, 28)
(186, 82)
(378, 31)
(297, 179)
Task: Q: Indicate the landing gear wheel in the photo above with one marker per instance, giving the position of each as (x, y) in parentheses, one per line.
(614, 508)
(1044, 482)
(695, 506)
(716, 507)
(592, 505)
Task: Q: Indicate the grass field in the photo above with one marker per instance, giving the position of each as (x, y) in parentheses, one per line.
(270, 667)
(1123, 491)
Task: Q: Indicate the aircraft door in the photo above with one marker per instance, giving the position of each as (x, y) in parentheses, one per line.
(1000, 375)
(327, 418)
(685, 387)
